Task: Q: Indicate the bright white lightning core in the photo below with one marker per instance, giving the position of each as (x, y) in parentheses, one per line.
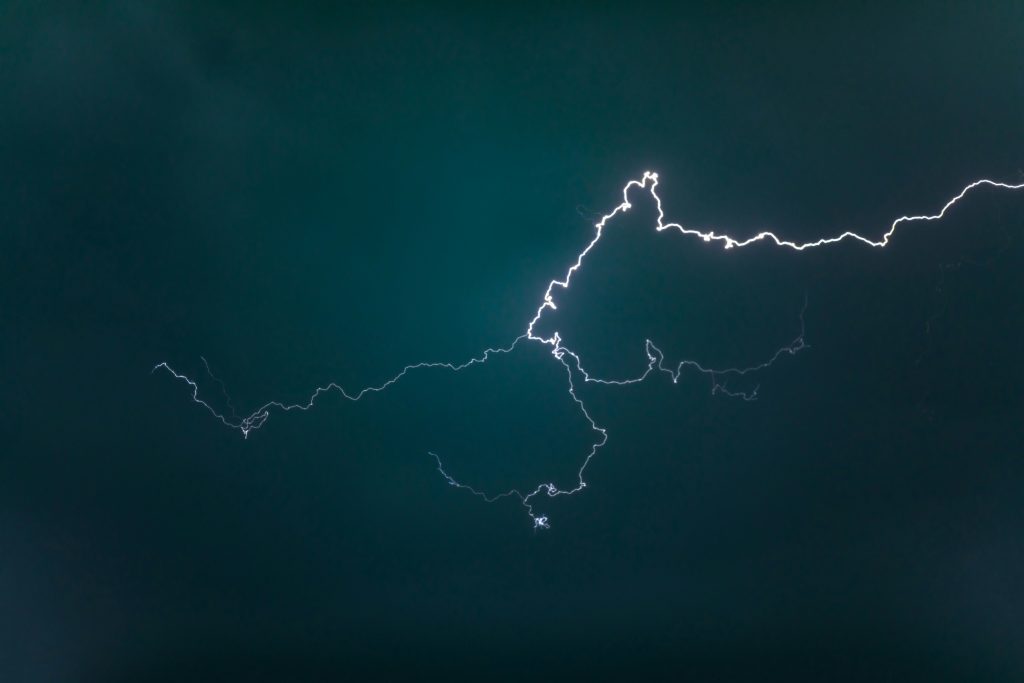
(571, 360)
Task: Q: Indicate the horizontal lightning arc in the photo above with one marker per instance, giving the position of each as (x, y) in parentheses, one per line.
(649, 181)
(256, 419)
(571, 360)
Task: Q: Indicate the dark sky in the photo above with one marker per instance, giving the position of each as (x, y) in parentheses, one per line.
(330, 193)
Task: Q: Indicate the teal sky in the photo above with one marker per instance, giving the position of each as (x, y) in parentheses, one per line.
(331, 192)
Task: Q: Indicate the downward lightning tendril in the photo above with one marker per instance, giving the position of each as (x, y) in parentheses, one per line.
(570, 360)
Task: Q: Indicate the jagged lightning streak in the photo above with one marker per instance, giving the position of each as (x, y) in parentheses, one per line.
(570, 360)
(256, 419)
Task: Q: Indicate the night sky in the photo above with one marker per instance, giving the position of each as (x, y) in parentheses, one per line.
(331, 193)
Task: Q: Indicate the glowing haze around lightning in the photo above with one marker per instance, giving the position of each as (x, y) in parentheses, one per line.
(571, 361)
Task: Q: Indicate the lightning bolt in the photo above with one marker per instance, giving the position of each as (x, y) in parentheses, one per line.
(570, 360)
